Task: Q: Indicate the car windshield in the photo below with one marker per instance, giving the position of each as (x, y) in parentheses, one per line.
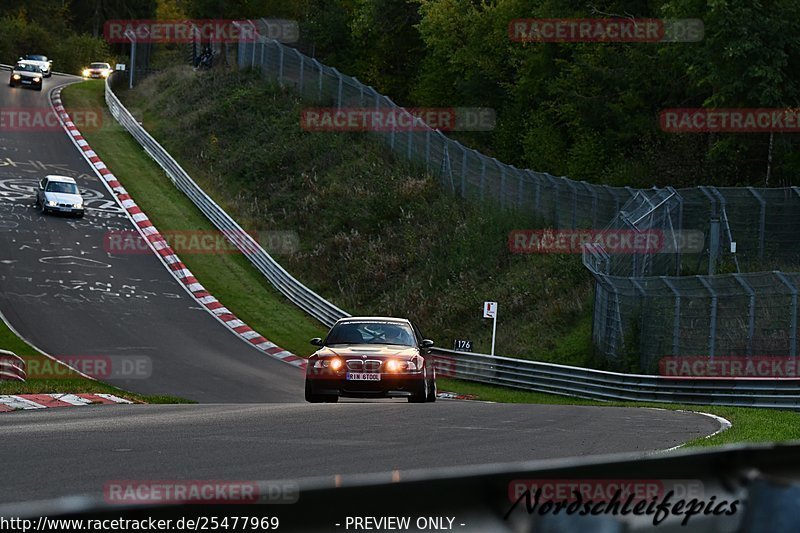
(35, 57)
(22, 67)
(99, 65)
(371, 333)
(62, 187)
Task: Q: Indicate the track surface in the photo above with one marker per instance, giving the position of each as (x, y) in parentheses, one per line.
(80, 450)
(63, 292)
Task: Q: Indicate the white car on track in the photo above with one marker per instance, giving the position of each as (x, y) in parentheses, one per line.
(59, 194)
(44, 64)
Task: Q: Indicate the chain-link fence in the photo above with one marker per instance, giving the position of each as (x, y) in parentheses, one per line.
(638, 321)
(638, 309)
(762, 222)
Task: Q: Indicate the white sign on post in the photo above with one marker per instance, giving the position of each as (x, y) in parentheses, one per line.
(490, 311)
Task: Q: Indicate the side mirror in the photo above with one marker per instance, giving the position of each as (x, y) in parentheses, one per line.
(427, 343)
(316, 341)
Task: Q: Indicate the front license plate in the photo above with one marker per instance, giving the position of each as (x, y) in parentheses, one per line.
(26, 82)
(363, 376)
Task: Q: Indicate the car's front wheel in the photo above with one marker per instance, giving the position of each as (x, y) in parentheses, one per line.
(318, 398)
(422, 392)
(432, 388)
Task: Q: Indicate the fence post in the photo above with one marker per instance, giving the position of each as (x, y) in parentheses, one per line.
(301, 81)
(319, 92)
(463, 171)
(410, 148)
(712, 334)
(793, 318)
(520, 187)
(751, 328)
(502, 183)
(428, 149)
(572, 186)
(593, 192)
(339, 88)
(676, 325)
(280, 64)
(483, 173)
(264, 72)
(537, 202)
(762, 221)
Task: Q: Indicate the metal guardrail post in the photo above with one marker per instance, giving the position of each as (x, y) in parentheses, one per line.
(712, 333)
(751, 327)
(793, 318)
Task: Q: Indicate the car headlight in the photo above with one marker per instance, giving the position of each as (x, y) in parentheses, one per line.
(334, 363)
(393, 365)
(86, 73)
(17, 77)
(77, 206)
(52, 203)
(37, 80)
(106, 73)
(416, 363)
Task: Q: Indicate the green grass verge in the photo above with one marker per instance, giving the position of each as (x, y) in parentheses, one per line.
(69, 384)
(748, 425)
(229, 277)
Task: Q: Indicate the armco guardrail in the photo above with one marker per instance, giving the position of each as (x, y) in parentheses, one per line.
(592, 384)
(299, 294)
(517, 373)
(12, 366)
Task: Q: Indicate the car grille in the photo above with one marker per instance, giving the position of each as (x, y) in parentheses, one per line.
(64, 205)
(370, 365)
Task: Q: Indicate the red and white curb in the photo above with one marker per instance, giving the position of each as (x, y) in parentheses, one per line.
(162, 248)
(26, 402)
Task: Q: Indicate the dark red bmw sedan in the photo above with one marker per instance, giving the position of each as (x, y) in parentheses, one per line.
(371, 357)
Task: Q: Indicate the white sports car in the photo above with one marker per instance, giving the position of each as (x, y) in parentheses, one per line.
(44, 64)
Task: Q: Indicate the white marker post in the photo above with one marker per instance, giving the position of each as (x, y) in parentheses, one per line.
(490, 311)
